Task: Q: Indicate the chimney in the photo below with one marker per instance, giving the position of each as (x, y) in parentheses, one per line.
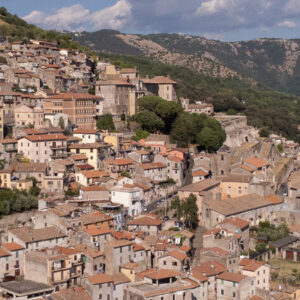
(203, 273)
(212, 265)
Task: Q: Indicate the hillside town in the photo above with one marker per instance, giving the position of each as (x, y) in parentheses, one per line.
(99, 214)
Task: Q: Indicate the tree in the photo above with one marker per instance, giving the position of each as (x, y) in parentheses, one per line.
(190, 211)
(123, 117)
(140, 134)
(61, 123)
(280, 148)
(149, 121)
(92, 91)
(125, 174)
(106, 122)
(3, 60)
(176, 205)
(264, 132)
(168, 111)
(187, 209)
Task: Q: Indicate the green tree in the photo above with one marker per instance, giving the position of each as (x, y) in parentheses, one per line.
(61, 123)
(3, 60)
(264, 132)
(176, 205)
(280, 148)
(149, 121)
(190, 211)
(106, 122)
(92, 91)
(168, 111)
(123, 117)
(125, 174)
(187, 209)
(140, 134)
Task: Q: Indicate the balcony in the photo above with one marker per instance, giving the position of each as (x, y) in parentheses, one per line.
(58, 147)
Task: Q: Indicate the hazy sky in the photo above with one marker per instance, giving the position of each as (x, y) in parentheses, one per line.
(217, 19)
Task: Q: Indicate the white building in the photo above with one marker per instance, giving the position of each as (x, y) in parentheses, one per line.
(129, 196)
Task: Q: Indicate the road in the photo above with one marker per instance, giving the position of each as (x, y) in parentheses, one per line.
(153, 205)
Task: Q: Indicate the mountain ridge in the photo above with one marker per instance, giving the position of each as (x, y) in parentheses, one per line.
(272, 62)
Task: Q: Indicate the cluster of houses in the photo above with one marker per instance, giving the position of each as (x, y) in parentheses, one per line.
(95, 235)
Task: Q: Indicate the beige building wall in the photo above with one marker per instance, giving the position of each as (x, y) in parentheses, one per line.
(233, 189)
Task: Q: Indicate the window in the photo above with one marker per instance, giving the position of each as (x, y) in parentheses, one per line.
(222, 292)
(100, 285)
(233, 295)
(234, 284)
(222, 281)
(165, 262)
(100, 296)
(174, 263)
(120, 249)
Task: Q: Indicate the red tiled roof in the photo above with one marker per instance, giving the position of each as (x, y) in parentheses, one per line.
(199, 173)
(85, 131)
(175, 159)
(99, 279)
(177, 254)
(233, 277)
(4, 252)
(94, 173)
(160, 274)
(85, 167)
(250, 264)
(79, 157)
(241, 223)
(121, 161)
(94, 188)
(94, 230)
(123, 235)
(137, 247)
(210, 268)
(12, 246)
(150, 166)
(145, 221)
(256, 162)
(45, 137)
(274, 199)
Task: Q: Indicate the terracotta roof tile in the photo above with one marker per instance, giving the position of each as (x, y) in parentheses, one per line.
(210, 268)
(199, 173)
(99, 279)
(130, 265)
(86, 131)
(145, 221)
(45, 137)
(150, 166)
(177, 254)
(241, 223)
(79, 157)
(94, 230)
(122, 162)
(256, 162)
(4, 252)
(250, 264)
(94, 173)
(160, 274)
(12, 246)
(274, 199)
(233, 277)
(94, 188)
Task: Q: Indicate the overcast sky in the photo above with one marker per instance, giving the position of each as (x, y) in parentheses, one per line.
(228, 20)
